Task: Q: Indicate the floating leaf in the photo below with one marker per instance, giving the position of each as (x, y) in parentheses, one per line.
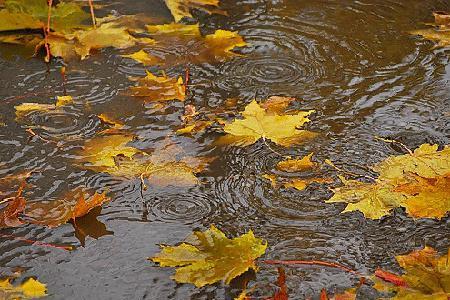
(181, 8)
(209, 256)
(257, 123)
(24, 109)
(418, 182)
(74, 205)
(83, 207)
(296, 165)
(30, 289)
(82, 42)
(426, 276)
(32, 14)
(173, 38)
(154, 88)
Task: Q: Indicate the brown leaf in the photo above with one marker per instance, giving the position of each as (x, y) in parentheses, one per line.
(9, 216)
(82, 207)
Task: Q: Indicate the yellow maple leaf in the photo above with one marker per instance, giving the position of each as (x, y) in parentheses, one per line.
(426, 276)
(99, 153)
(296, 165)
(181, 8)
(209, 256)
(412, 181)
(257, 123)
(155, 88)
(373, 200)
(81, 42)
(30, 289)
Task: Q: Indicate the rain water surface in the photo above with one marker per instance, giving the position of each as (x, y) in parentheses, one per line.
(351, 61)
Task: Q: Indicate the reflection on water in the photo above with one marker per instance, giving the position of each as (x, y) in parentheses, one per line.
(352, 61)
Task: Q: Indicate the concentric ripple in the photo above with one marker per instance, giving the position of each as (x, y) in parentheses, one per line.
(179, 208)
(62, 124)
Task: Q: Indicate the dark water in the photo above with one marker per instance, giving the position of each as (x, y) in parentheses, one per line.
(352, 61)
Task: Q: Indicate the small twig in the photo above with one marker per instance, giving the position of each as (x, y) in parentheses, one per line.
(33, 242)
(330, 163)
(394, 142)
(91, 6)
(311, 263)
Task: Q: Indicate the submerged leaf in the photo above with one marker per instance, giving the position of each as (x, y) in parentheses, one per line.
(418, 182)
(154, 88)
(181, 8)
(178, 43)
(168, 165)
(426, 276)
(257, 123)
(30, 289)
(209, 256)
(296, 165)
